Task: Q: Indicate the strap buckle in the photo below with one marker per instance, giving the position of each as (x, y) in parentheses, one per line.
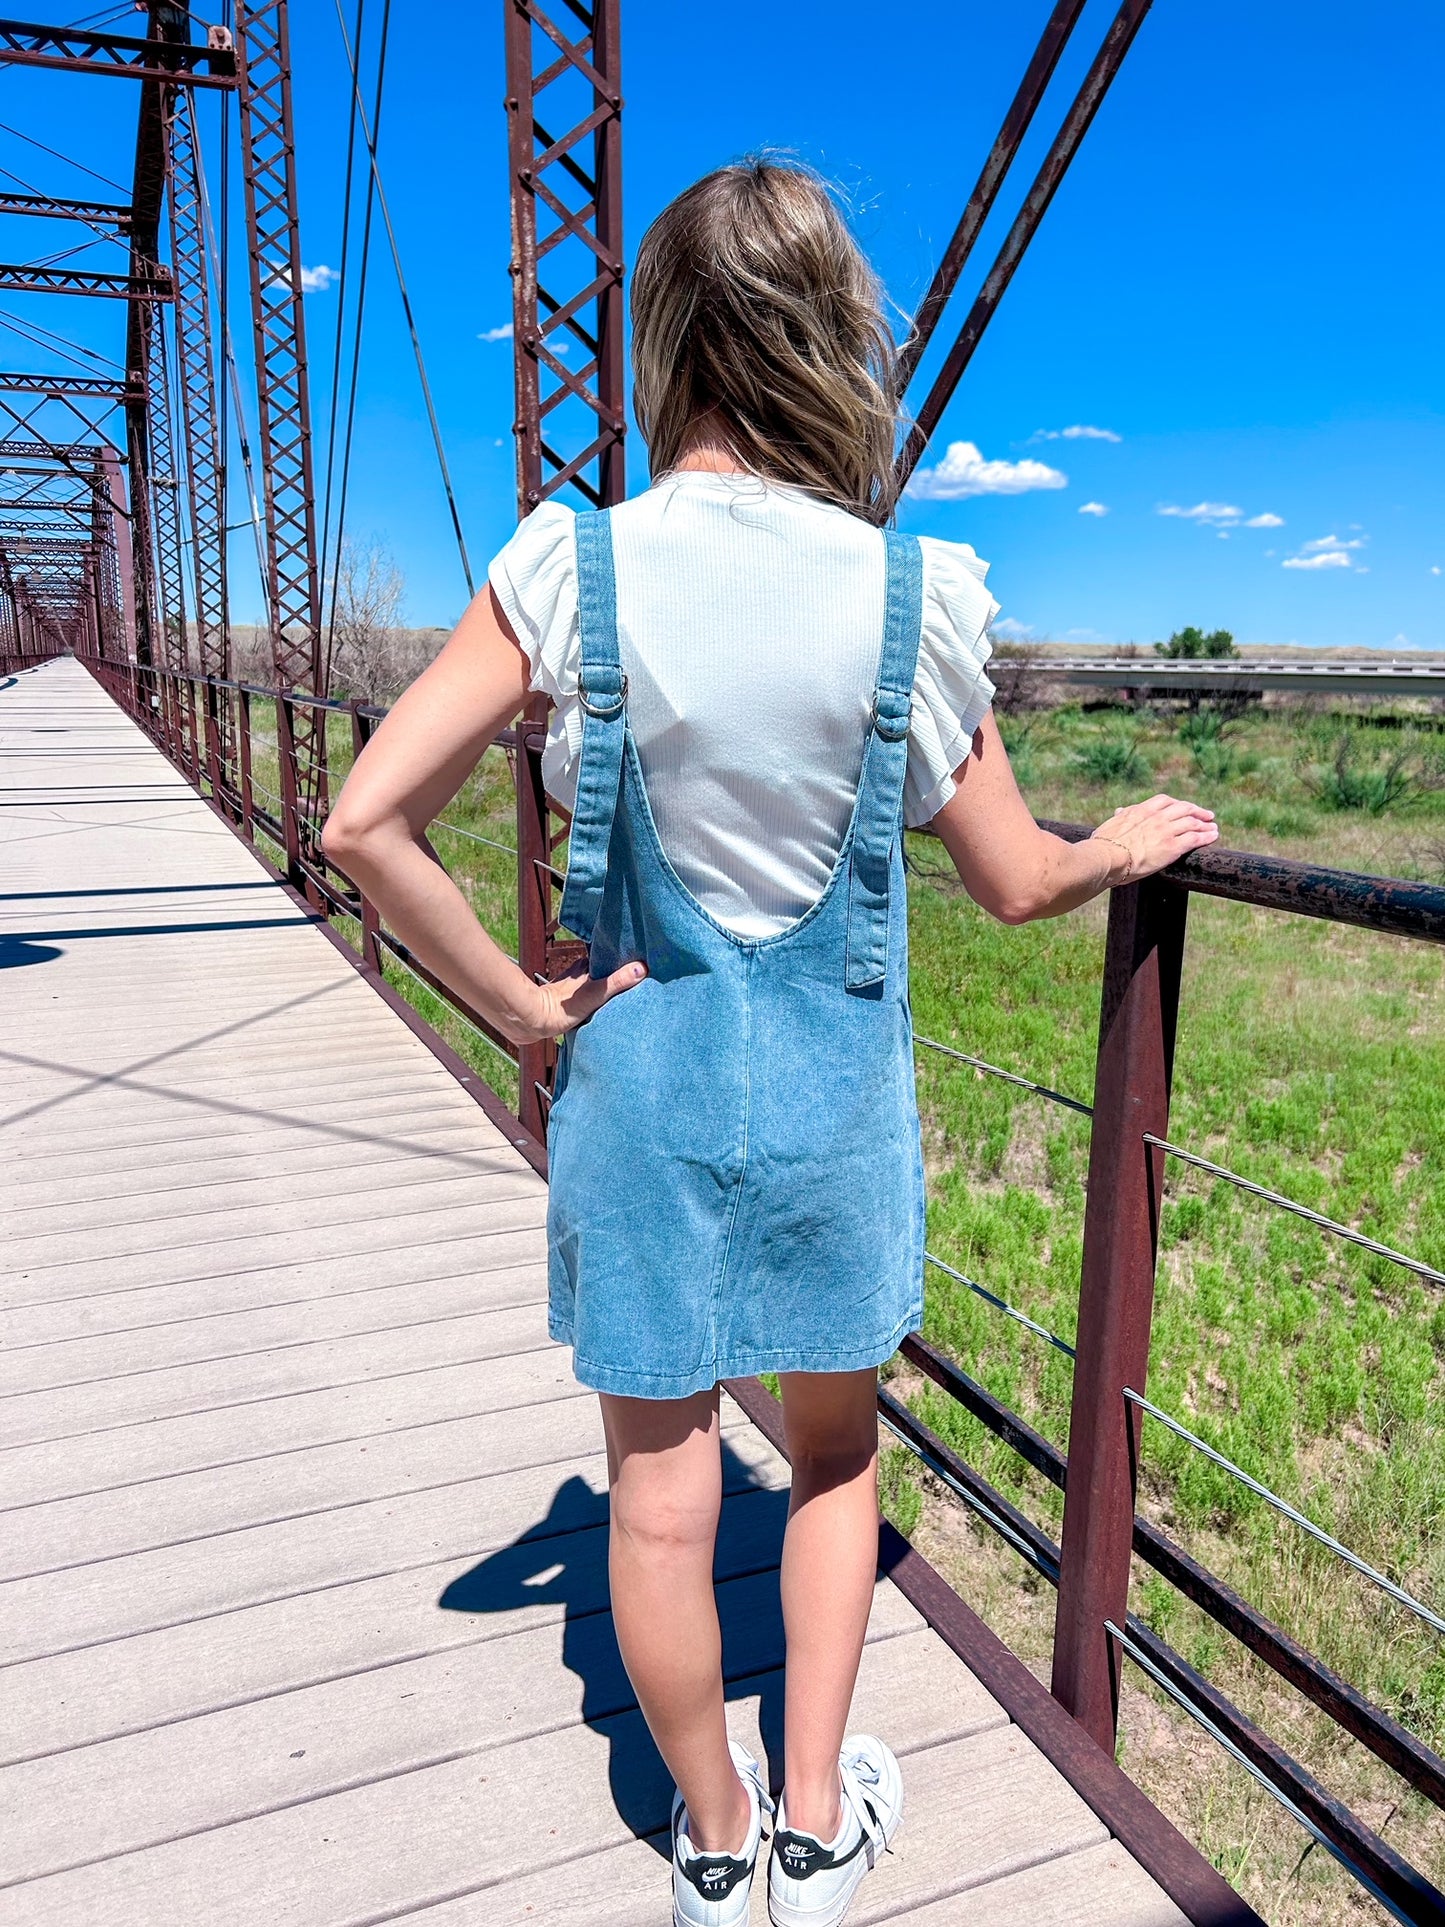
(604, 711)
(892, 729)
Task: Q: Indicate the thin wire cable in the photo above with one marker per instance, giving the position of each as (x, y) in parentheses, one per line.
(1002, 1304)
(985, 1511)
(56, 154)
(1009, 1077)
(1283, 1507)
(472, 836)
(370, 138)
(1416, 1265)
(490, 1042)
(342, 291)
(1166, 1685)
(64, 254)
(354, 381)
(53, 343)
(101, 233)
(220, 273)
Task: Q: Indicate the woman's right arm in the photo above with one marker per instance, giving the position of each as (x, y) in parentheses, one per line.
(1018, 872)
(408, 773)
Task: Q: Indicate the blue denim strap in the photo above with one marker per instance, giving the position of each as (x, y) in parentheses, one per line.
(878, 823)
(602, 692)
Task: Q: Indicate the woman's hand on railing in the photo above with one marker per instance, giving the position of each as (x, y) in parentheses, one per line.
(571, 999)
(1155, 834)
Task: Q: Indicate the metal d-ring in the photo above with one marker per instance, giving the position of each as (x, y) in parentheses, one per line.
(604, 711)
(889, 731)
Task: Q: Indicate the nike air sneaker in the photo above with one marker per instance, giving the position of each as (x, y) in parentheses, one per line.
(811, 1882)
(714, 1889)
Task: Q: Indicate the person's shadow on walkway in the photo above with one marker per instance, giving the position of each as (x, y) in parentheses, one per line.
(563, 1558)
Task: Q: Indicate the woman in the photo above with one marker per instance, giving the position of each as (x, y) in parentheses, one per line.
(755, 684)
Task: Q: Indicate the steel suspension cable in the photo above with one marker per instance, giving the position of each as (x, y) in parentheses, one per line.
(1009, 1077)
(365, 269)
(220, 273)
(337, 345)
(56, 154)
(1286, 1510)
(370, 138)
(1417, 1265)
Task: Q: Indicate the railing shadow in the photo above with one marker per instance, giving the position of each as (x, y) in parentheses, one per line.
(563, 1560)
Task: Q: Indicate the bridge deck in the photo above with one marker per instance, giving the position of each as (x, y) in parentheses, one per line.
(255, 1234)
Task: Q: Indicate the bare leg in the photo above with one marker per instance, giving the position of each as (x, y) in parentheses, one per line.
(830, 1560)
(665, 1472)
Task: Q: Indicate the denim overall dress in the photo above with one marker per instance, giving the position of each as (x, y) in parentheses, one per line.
(736, 1172)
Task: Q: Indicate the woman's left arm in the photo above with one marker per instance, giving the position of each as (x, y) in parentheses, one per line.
(411, 769)
(1018, 872)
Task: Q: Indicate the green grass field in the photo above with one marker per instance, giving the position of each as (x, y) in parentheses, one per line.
(1311, 1059)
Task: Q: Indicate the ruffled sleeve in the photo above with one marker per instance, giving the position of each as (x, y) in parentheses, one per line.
(951, 693)
(535, 579)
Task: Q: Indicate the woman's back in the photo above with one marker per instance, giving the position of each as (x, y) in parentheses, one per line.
(750, 621)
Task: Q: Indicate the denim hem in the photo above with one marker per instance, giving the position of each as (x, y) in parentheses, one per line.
(633, 1384)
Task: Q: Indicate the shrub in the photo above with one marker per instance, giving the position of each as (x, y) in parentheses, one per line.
(1202, 731)
(1350, 782)
(1111, 759)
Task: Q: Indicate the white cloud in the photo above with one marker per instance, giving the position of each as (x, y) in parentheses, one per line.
(319, 279)
(1331, 542)
(1077, 432)
(1010, 630)
(503, 333)
(1328, 552)
(1212, 513)
(1265, 521)
(1434, 568)
(964, 472)
(1093, 508)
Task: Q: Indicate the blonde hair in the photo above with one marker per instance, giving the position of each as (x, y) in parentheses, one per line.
(752, 304)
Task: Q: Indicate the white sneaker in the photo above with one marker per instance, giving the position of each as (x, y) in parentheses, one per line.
(714, 1889)
(811, 1883)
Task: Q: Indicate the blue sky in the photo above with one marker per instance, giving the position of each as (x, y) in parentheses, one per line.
(1240, 281)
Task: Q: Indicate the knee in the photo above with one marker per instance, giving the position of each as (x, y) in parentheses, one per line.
(662, 1525)
(823, 1460)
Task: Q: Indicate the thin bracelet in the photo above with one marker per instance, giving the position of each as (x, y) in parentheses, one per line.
(1098, 836)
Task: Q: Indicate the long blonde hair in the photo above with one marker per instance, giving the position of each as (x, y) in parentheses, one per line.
(754, 307)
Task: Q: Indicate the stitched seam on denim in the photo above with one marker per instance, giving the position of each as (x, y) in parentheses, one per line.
(603, 738)
(722, 1270)
(885, 769)
(787, 1358)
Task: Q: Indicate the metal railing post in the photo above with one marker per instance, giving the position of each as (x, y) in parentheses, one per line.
(210, 698)
(248, 795)
(290, 818)
(193, 730)
(361, 729)
(1142, 958)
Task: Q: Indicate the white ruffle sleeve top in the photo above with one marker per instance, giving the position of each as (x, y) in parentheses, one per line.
(750, 624)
